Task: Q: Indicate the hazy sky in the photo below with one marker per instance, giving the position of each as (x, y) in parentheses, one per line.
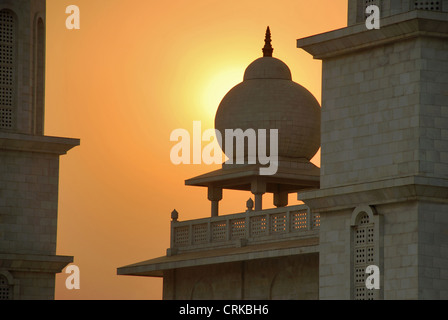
(133, 73)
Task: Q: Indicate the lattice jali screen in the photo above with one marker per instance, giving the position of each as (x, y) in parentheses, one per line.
(428, 5)
(299, 220)
(219, 231)
(278, 223)
(363, 256)
(238, 229)
(7, 68)
(5, 118)
(182, 235)
(200, 233)
(372, 2)
(258, 226)
(5, 289)
(316, 220)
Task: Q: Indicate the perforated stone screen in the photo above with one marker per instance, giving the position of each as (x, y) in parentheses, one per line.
(238, 229)
(363, 256)
(5, 288)
(278, 223)
(7, 68)
(200, 233)
(182, 236)
(316, 220)
(299, 220)
(428, 5)
(219, 231)
(258, 226)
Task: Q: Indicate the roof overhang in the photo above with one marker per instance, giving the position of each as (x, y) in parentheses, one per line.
(36, 143)
(156, 267)
(290, 177)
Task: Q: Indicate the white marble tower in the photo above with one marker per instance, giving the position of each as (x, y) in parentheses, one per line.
(29, 161)
(384, 173)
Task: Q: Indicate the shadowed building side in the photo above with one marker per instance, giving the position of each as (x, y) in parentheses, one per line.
(29, 160)
(384, 161)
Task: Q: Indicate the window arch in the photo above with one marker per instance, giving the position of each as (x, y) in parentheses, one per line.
(365, 248)
(8, 62)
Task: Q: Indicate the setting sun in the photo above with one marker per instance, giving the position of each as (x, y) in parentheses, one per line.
(222, 78)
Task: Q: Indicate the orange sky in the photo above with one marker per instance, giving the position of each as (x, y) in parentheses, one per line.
(134, 72)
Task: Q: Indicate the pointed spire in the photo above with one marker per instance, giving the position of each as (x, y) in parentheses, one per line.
(267, 50)
(174, 215)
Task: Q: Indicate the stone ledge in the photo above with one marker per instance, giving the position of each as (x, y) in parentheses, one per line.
(34, 263)
(156, 267)
(36, 143)
(394, 190)
(394, 28)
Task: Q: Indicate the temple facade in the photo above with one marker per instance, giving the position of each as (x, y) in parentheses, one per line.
(379, 198)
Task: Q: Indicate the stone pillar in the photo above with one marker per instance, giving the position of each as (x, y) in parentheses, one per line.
(214, 195)
(258, 188)
(280, 199)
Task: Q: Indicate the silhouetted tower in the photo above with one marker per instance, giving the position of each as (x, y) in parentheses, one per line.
(29, 161)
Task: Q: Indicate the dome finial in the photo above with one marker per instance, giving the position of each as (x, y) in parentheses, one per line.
(267, 50)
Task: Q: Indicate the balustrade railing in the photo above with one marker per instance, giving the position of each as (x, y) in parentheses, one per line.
(244, 228)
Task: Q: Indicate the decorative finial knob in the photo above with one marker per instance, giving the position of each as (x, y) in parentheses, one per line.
(174, 215)
(267, 50)
(250, 205)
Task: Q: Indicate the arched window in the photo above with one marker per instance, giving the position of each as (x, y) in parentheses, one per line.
(365, 251)
(5, 288)
(363, 254)
(8, 40)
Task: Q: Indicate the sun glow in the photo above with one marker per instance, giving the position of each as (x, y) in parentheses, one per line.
(216, 87)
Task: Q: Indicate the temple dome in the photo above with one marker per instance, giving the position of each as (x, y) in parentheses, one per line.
(269, 99)
(267, 68)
